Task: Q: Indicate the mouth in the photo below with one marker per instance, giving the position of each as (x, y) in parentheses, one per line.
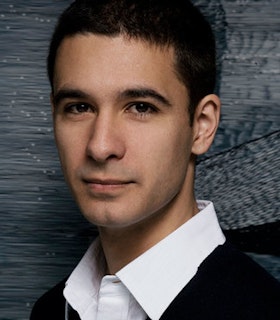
(106, 185)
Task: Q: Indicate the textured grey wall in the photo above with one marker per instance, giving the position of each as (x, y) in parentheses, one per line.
(42, 234)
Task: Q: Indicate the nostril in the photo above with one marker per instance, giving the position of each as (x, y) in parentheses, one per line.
(103, 148)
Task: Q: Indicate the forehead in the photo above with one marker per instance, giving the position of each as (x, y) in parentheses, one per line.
(107, 62)
(121, 41)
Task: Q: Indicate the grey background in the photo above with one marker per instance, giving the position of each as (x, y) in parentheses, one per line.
(42, 234)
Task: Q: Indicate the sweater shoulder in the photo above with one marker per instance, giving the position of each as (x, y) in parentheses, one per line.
(228, 285)
(50, 305)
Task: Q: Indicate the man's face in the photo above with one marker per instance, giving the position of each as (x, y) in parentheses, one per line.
(122, 129)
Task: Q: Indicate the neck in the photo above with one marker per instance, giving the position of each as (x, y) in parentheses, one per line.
(123, 245)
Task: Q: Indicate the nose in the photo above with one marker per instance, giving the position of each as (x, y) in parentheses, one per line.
(105, 139)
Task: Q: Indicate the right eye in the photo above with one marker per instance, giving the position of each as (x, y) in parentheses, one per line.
(78, 108)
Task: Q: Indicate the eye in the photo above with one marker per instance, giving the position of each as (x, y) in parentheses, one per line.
(141, 108)
(78, 108)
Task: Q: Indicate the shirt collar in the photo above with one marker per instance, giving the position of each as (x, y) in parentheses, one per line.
(156, 277)
(82, 287)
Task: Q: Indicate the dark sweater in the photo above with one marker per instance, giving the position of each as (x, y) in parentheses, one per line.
(228, 285)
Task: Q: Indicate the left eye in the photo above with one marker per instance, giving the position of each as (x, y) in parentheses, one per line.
(141, 107)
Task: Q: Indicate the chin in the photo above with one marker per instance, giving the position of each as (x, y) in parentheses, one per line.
(108, 218)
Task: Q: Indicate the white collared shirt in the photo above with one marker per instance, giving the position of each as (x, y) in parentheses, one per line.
(148, 284)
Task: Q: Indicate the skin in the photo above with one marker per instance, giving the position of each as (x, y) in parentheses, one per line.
(124, 140)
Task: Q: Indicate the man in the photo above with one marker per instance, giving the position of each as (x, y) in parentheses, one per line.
(133, 105)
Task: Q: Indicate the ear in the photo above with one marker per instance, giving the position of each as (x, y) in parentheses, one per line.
(206, 121)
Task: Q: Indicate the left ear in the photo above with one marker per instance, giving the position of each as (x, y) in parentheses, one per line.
(205, 124)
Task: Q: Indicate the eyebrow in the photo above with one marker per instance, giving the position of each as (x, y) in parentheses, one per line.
(145, 93)
(68, 93)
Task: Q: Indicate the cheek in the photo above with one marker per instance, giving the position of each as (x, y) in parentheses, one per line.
(70, 148)
(174, 162)
(176, 144)
(166, 155)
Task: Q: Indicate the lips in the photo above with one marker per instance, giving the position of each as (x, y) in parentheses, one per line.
(106, 182)
(106, 185)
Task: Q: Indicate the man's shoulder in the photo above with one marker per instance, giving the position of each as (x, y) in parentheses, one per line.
(238, 269)
(51, 305)
(228, 285)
